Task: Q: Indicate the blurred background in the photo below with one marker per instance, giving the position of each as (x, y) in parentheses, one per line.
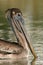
(33, 15)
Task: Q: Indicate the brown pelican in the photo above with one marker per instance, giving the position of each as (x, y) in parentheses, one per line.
(20, 48)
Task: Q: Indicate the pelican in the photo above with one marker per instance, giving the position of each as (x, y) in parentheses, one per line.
(20, 48)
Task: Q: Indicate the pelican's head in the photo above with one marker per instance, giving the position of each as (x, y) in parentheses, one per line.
(14, 14)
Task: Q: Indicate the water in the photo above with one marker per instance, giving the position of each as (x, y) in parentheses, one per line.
(33, 25)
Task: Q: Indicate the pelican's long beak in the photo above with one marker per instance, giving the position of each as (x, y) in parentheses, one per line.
(18, 22)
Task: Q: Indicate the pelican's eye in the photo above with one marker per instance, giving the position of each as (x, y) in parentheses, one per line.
(19, 14)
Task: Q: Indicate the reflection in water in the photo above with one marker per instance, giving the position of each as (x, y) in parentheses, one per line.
(23, 61)
(37, 61)
(14, 62)
(33, 61)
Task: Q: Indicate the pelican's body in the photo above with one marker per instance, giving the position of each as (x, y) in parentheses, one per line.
(20, 48)
(11, 50)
